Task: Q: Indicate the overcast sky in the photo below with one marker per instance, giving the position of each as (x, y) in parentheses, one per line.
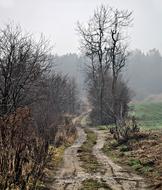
(57, 19)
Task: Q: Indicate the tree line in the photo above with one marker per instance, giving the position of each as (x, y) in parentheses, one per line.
(144, 73)
(33, 103)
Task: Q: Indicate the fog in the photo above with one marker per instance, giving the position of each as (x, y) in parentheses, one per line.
(142, 72)
(57, 19)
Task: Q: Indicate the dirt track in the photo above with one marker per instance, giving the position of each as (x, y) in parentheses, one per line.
(71, 175)
(115, 176)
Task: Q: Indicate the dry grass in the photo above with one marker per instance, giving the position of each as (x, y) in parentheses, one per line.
(58, 152)
(143, 155)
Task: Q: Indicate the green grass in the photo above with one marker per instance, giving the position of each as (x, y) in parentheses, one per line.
(148, 114)
(135, 164)
(91, 184)
(123, 156)
(140, 167)
(85, 120)
(104, 127)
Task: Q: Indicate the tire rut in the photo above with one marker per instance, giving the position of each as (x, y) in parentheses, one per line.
(71, 175)
(115, 176)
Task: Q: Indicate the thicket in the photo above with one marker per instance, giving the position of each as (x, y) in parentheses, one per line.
(33, 104)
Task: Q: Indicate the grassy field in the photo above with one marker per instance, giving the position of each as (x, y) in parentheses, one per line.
(148, 114)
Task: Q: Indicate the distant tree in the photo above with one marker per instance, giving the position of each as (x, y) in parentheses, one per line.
(118, 55)
(94, 44)
(58, 97)
(147, 84)
(103, 41)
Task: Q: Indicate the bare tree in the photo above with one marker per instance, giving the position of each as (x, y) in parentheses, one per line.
(22, 62)
(94, 43)
(57, 98)
(33, 107)
(118, 52)
(103, 41)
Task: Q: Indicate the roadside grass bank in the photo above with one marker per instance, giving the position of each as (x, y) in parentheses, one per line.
(56, 155)
(143, 155)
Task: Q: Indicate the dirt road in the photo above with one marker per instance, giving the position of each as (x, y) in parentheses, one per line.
(71, 175)
(115, 176)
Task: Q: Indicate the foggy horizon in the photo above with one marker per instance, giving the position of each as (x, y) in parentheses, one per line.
(53, 18)
(80, 94)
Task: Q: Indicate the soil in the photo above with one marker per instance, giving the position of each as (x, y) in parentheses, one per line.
(71, 175)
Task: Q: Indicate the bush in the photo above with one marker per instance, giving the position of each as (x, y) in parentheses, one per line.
(23, 153)
(125, 129)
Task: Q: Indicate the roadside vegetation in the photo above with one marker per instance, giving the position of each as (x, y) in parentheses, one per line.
(56, 154)
(36, 107)
(91, 184)
(143, 154)
(103, 41)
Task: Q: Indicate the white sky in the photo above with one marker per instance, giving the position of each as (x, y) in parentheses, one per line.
(57, 19)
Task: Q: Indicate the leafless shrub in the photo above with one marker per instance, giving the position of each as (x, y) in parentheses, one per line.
(126, 129)
(22, 63)
(25, 132)
(23, 152)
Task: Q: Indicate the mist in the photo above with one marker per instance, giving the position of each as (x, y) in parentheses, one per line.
(142, 72)
(80, 94)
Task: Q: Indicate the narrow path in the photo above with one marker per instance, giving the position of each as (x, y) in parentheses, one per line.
(115, 176)
(71, 175)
